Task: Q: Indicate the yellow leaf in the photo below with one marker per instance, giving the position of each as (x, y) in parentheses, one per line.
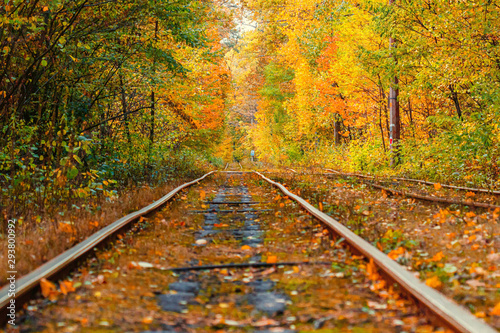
(203, 195)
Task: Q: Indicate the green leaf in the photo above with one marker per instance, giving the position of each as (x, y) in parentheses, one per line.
(72, 173)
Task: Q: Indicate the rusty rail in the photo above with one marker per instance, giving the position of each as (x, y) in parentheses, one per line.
(445, 310)
(461, 188)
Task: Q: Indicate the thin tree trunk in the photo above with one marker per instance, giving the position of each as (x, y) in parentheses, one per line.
(454, 98)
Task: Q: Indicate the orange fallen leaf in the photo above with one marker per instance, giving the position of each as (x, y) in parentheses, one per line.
(48, 288)
(66, 287)
(434, 282)
(470, 194)
(265, 322)
(147, 320)
(437, 186)
(94, 224)
(371, 270)
(438, 256)
(496, 310)
(272, 259)
(45, 8)
(395, 254)
(66, 227)
(246, 247)
(203, 195)
(320, 206)
(480, 314)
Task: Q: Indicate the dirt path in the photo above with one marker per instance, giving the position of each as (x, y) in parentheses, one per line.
(228, 220)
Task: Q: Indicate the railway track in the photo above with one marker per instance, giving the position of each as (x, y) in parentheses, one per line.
(243, 258)
(410, 188)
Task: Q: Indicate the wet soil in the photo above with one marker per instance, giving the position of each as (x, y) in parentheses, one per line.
(229, 220)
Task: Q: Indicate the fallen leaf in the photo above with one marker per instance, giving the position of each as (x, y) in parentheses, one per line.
(265, 322)
(66, 287)
(272, 259)
(437, 186)
(395, 254)
(144, 264)
(147, 320)
(47, 287)
(246, 247)
(201, 242)
(496, 310)
(475, 283)
(480, 314)
(493, 257)
(437, 257)
(66, 227)
(230, 322)
(434, 282)
(203, 195)
(375, 305)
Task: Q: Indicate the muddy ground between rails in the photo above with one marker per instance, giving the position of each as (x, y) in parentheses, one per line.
(453, 248)
(130, 287)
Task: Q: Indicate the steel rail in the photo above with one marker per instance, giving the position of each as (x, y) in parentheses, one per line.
(435, 199)
(445, 310)
(31, 281)
(461, 188)
(423, 197)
